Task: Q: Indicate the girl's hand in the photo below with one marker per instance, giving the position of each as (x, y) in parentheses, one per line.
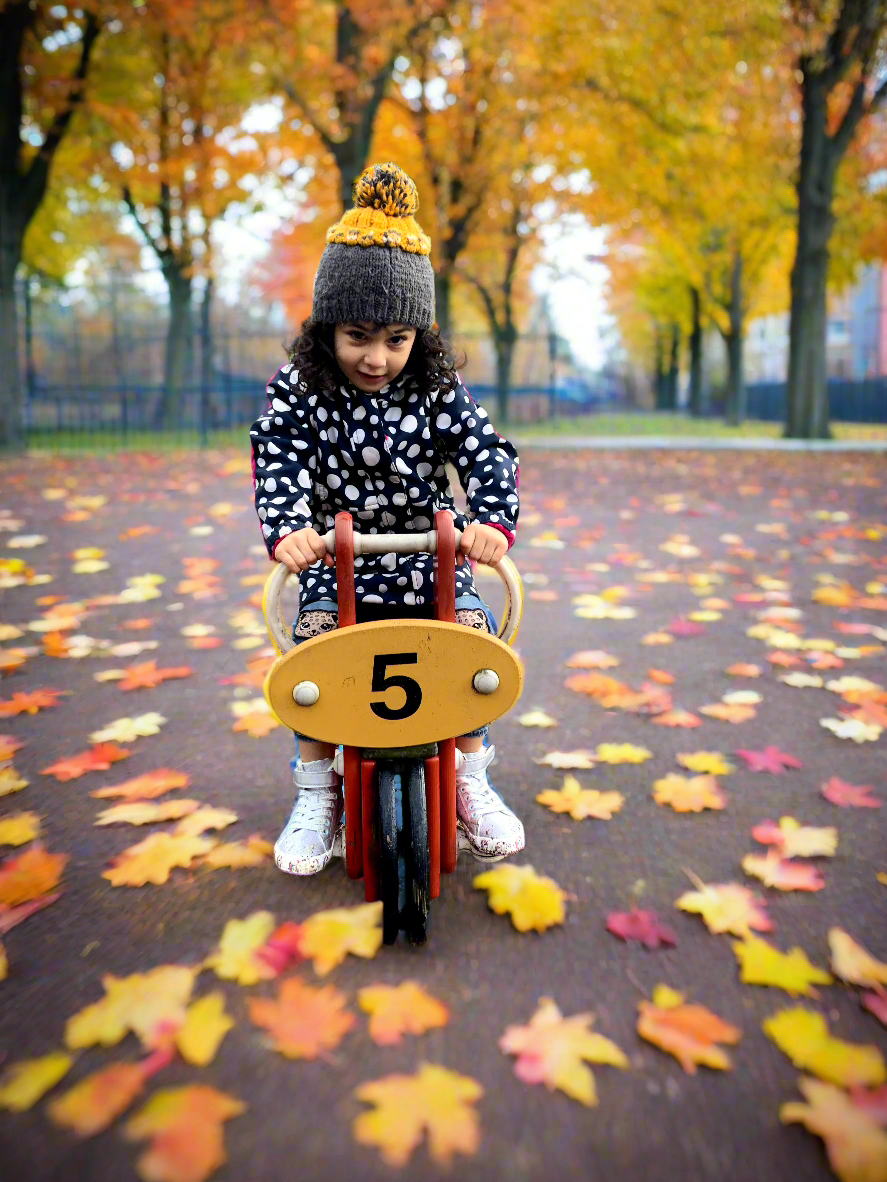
(301, 549)
(483, 543)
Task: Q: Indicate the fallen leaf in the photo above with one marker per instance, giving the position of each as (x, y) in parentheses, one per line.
(237, 855)
(127, 730)
(875, 1003)
(151, 1005)
(152, 859)
(99, 1098)
(146, 812)
(707, 763)
(145, 787)
(30, 703)
(98, 758)
(771, 759)
(855, 1143)
(642, 926)
(147, 676)
(621, 753)
(851, 962)
(11, 781)
(206, 1024)
(400, 1009)
(19, 829)
(728, 712)
(793, 840)
(852, 728)
(581, 802)
(185, 1127)
(205, 818)
(23, 1083)
(281, 950)
(803, 1035)
(435, 1100)
(579, 760)
(677, 718)
(743, 670)
(533, 901)
(8, 747)
(538, 718)
(763, 964)
(858, 796)
(774, 871)
(592, 659)
(235, 957)
(304, 1021)
(689, 795)
(727, 907)
(689, 1032)
(29, 875)
(550, 1049)
(11, 916)
(256, 724)
(328, 936)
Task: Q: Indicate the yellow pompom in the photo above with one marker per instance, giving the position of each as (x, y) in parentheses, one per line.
(386, 187)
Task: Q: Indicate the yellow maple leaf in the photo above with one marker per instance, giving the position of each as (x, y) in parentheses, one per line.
(537, 717)
(11, 781)
(532, 900)
(4, 962)
(550, 1049)
(396, 1010)
(234, 855)
(22, 1084)
(234, 959)
(186, 1127)
(851, 962)
(854, 1139)
(726, 907)
(806, 841)
(710, 763)
(205, 1025)
(689, 1032)
(328, 936)
(205, 818)
(763, 964)
(567, 759)
(621, 753)
(581, 802)
(688, 794)
(257, 723)
(804, 1036)
(151, 1005)
(19, 829)
(98, 1099)
(127, 730)
(146, 812)
(435, 1100)
(152, 859)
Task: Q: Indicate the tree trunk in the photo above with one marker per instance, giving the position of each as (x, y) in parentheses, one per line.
(736, 396)
(505, 342)
(661, 394)
(443, 281)
(695, 401)
(671, 379)
(208, 415)
(11, 401)
(168, 413)
(807, 392)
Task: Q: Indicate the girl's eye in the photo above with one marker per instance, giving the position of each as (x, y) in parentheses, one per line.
(396, 340)
(356, 336)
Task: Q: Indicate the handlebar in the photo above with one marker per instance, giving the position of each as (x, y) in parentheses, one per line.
(415, 543)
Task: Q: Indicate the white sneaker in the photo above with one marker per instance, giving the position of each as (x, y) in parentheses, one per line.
(492, 829)
(306, 844)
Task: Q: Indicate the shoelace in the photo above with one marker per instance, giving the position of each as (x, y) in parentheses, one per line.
(311, 807)
(481, 794)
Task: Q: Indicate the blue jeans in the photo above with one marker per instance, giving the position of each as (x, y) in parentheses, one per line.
(463, 602)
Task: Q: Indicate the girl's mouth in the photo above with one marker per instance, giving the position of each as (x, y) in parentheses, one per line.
(374, 378)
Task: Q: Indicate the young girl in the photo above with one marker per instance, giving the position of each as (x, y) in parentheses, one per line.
(363, 418)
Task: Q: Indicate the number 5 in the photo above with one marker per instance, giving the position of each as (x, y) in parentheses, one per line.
(412, 690)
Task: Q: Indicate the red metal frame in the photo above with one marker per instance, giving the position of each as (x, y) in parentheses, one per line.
(354, 836)
(445, 609)
(370, 836)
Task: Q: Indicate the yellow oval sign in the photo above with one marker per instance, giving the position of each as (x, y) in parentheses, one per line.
(394, 683)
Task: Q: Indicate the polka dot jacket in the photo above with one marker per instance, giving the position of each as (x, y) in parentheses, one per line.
(381, 458)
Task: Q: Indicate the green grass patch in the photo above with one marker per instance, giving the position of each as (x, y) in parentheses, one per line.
(659, 423)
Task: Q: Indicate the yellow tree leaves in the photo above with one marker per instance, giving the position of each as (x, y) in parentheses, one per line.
(22, 1084)
(235, 957)
(304, 1021)
(30, 875)
(851, 962)
(763, 964)
(92, 1104)
(152, 859)
(146, 787)
(328, 936)
(689, 1032)
(203, 1029)
(146, 812)
(152, 1005)
(580, 802)
(706, 763)
(554, 1050)
(727, 907)
(533, 901)
(854, 1139)
(688, 794)
(19, 828)
(434, 1100)
(185, 1127)
(400, 1009)
(804, 1036)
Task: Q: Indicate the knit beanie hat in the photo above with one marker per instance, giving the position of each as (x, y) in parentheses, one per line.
(375, 265)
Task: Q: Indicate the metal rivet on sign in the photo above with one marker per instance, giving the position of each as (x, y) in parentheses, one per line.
(306, 693)
(486, 681)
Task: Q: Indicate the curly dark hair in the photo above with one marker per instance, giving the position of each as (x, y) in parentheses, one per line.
(431, 359)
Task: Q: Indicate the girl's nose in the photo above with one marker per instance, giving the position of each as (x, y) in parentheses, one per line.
(375, 358)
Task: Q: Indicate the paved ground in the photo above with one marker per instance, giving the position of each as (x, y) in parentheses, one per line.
(748, 516)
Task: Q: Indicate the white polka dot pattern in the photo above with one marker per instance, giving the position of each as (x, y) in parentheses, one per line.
(388, 472)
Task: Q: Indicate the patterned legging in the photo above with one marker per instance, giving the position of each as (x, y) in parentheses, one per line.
(314, 622)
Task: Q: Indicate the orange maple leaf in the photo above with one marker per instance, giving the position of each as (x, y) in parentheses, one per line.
(145, 787)
(146, 675)
(729, 711)
(30, 703)
(678, 717)
(305, 1020)
(30, 875)
(185, 1127)
(689, 1032)
(782, 873)
(396, 1010)
(98, 758)
(98, 1099)
(8, 747)
(257, 723)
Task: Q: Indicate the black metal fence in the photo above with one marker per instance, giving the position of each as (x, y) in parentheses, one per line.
(859, 401)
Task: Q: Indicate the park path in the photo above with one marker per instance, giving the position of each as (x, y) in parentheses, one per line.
(620, 552)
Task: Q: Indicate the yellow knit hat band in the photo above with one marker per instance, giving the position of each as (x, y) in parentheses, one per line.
(385, 202)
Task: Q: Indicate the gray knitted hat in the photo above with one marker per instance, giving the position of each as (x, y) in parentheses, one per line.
(375, 265)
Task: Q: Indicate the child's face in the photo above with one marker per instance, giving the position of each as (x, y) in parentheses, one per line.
(369, 356)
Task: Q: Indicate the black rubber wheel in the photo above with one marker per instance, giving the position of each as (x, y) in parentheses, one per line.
(417, 867)
(389, 877)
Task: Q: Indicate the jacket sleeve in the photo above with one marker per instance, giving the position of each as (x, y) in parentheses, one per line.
(282, 442)
(487, 463)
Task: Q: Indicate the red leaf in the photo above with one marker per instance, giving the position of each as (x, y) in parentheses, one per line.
(682, 627)
(642, 926)
(857, 796)
(771, 759)
(282, 948)
(10, 916)
(98, 758)
(872, 1101)
(875, 1003)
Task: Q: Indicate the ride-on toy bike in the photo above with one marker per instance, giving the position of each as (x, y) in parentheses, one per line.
(396, 693)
